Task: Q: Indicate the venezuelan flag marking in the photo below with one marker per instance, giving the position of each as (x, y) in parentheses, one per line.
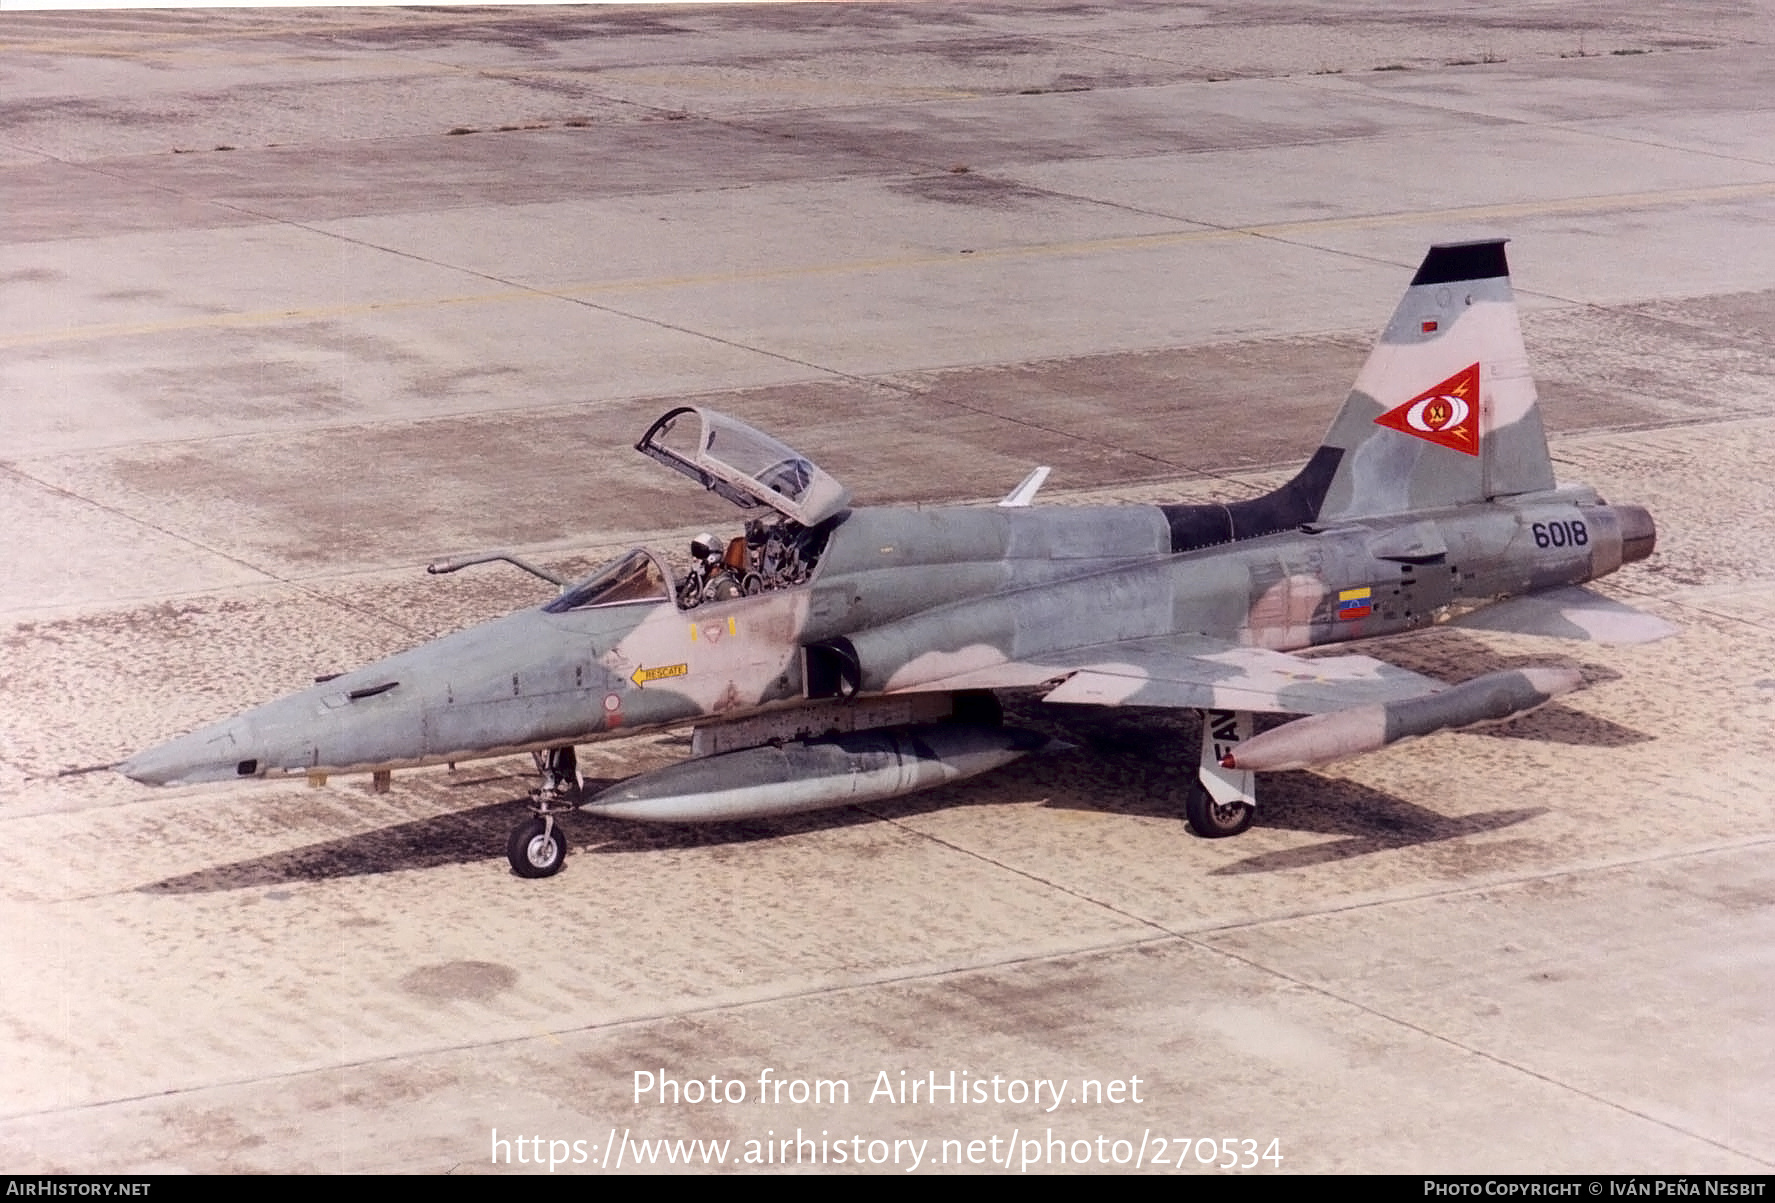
(1354, 603)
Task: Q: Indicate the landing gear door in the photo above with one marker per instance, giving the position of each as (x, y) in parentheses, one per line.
(744, 465)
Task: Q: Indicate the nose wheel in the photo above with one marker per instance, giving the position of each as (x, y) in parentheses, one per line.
(537, 847)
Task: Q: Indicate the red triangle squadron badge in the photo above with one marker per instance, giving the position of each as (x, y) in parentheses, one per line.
(1447, 414)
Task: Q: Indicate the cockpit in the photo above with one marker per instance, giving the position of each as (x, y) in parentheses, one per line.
(750, 469)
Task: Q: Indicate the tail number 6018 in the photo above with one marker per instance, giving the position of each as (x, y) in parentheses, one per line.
(1561, 534)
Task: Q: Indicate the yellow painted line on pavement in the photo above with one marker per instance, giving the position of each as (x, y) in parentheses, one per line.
(1090, 246)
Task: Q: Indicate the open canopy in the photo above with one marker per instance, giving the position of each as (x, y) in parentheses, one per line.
(744, 465)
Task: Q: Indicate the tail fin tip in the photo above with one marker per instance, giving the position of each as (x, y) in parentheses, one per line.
(1452, 262)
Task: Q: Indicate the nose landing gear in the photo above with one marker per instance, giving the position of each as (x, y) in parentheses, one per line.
(537, 846)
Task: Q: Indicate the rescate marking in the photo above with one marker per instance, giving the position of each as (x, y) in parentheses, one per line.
(1446, 414)
(641, 676)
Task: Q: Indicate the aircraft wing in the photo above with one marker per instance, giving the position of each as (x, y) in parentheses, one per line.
(1199, 672)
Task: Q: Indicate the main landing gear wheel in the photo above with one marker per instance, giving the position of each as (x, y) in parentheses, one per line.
(537, 848)
(1213, 820)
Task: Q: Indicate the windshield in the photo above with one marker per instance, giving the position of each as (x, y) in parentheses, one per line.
(636, 577)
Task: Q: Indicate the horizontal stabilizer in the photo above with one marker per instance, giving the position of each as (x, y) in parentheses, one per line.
(1571, 612)
(1025, 493)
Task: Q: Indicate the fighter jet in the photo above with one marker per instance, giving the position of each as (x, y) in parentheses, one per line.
(828, 653)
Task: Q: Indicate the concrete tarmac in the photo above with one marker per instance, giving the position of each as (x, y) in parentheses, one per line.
(294, 301)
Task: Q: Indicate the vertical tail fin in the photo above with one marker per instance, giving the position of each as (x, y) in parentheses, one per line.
(1444, 410)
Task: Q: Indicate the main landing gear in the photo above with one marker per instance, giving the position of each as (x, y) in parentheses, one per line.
(1215, 820)
(537, 846)
(1221, 801)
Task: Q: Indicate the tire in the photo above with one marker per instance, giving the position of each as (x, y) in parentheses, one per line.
(531, 853)
(1211, 820)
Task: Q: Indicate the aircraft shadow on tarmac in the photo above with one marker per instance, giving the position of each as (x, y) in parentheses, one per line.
(1122, 752)
(1365, 820)
(1128, 761)
(1557, 722)
(479, 833)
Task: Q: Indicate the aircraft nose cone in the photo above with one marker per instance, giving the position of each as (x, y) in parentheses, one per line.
(213, 754)
(148, 767)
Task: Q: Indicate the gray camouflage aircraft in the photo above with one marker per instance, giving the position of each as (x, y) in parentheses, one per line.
(833, 654)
